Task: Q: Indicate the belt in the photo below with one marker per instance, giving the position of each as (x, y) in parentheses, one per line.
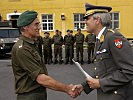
(79, 43)
(69, 44)
(57, 44)
(37, 90)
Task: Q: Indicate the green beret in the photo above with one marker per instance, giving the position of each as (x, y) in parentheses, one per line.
(26, 18)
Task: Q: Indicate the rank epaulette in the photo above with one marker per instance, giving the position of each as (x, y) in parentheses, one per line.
(111, 30)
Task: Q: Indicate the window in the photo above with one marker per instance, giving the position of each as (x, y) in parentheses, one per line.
(79, 21)
(14, 33)
(3, 33)
(47, 22)
(9, 33)
(114, 20)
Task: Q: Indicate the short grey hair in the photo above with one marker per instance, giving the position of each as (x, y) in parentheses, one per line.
(105, 18)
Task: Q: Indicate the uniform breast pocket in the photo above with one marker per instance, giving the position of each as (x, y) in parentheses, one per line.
(36, 56)
(99, 63)
(108, 62)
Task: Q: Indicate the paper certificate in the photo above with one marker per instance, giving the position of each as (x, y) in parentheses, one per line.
(81, 69)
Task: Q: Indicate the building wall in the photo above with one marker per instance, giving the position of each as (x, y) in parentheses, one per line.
(68, 7)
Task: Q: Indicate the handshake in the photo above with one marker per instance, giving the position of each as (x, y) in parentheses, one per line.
(75, 90)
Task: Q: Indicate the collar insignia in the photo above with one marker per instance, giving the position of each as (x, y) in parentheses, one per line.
(101, 38)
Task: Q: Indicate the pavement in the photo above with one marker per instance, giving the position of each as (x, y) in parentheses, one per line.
(68, 74)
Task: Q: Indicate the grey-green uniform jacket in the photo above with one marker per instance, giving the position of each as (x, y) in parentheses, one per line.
(113, 66)
(27, 65)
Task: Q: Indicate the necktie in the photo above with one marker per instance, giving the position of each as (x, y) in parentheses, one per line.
(96, 47)
(97, 43)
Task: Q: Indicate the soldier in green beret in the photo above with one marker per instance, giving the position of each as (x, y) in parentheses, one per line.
(31, 76)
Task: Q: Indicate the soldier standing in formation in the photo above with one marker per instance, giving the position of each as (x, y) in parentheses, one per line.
(58, 42)
(71, 33)
(68, 42)
(39, 42)
(0, 17)
(79, 39)
(62, 44)
(90, 40)
(47, 48)
(51, 53)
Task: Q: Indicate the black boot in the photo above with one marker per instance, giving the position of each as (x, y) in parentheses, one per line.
(56, 61)
(89, 61)
(66, 62)
(71, 62)
(45, 61)
(82, 62)
(77, 60)
(51, 61)
(48, 61)
(60, 62)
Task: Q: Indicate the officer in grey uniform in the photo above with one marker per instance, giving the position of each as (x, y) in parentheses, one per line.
(90, 40)
(113, 64)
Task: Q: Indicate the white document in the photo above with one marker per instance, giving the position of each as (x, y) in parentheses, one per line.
(81, 69)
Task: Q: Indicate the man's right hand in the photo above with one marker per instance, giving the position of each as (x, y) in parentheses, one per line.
(76, 90)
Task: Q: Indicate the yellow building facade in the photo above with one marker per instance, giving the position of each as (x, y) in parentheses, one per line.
(67, 14)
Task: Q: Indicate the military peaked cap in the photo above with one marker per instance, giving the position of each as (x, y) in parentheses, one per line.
(92, 9)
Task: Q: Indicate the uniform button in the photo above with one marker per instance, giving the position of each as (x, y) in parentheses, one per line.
(115, 92)
(95, 60)
(95, 68)
(101, 58)
(96, 76)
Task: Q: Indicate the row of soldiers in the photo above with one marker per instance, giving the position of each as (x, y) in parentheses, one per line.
(69, 40)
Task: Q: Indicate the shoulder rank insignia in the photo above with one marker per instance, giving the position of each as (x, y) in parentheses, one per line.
(118, 43)
(111, 30)
(20, 46)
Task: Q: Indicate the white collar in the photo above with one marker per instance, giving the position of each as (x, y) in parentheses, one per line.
(100, 33)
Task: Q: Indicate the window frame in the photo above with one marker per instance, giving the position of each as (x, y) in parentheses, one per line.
(47, 23)
(79, 22)
(113, 20)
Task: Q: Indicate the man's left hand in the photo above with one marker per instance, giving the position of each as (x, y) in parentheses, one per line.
(93, 83)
